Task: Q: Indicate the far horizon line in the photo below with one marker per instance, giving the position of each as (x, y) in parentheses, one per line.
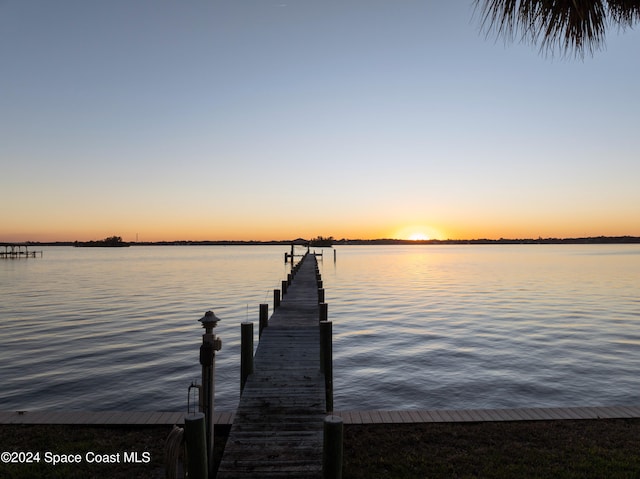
(328, 241)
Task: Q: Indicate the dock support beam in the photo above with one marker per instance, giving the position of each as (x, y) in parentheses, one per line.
(264, 318)
(326, 360)
(276, 298)
(246, 353)
(324, 312)
(196, 440)
(332, 450)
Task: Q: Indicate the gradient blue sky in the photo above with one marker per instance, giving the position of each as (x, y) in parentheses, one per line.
(274, 120)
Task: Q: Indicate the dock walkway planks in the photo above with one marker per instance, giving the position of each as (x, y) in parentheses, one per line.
(225, 418)
(101, 418)
(278, 426)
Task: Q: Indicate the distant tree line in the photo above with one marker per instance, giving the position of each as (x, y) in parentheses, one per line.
(586, 240)
(117, 241)
(110, 242)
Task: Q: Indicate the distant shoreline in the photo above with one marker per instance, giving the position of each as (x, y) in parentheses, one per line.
(381, 241)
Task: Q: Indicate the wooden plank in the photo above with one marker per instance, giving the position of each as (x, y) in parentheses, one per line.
(472, 415)
(555, 413)
(510, 414)
(618, 412)
(439, 417)
(426, 416)
(531, 414)
(467, 415)
(583, 413)
(356, 417)
(494, 415)
(444, 415)
(365, 417)
(414, 416)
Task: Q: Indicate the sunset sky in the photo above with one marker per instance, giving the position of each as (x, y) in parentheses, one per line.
(260, 120)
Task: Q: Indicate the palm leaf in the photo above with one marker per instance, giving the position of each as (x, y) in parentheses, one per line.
(570, 25)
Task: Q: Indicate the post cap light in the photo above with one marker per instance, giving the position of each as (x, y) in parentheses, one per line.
(209, 320)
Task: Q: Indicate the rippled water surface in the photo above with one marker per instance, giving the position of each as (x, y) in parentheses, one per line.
(414, 326)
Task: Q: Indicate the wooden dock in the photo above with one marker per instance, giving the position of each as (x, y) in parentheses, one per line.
(278, 426)
(407, 416)
(17, 250)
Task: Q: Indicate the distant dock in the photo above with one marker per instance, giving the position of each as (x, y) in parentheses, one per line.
(17, 250)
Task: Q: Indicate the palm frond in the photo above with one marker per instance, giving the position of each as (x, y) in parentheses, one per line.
(571, 25)
(624, 12)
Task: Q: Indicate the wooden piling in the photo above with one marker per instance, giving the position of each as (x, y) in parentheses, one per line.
(276, 298)
(332, 450)
(284, 287)
(324, 312)
(264, 318)
(246, 353)
(326, 360)
(320, 295)
(196, 441)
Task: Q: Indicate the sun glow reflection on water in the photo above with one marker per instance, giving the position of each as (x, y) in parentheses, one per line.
(485, 326)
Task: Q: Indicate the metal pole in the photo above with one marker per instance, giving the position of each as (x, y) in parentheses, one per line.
(210, 344)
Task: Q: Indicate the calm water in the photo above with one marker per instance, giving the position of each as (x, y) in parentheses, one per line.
(414, 327)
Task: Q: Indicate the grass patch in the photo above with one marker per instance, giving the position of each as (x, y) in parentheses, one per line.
(532, 449)
(110, 440)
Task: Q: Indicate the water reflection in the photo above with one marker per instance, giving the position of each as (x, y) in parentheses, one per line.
(414, 326)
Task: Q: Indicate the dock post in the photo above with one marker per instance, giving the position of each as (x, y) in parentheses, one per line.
(246, 353)
(320, 295)
(332, 448)
(264, 318)
(326, 361)
(196, 440)
(276, 298)
(284, 287)
(210, 344)
(324, 312)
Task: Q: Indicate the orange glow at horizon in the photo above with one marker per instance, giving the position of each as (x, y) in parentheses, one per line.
(419, 237)
(419, 232)
(200, 229)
